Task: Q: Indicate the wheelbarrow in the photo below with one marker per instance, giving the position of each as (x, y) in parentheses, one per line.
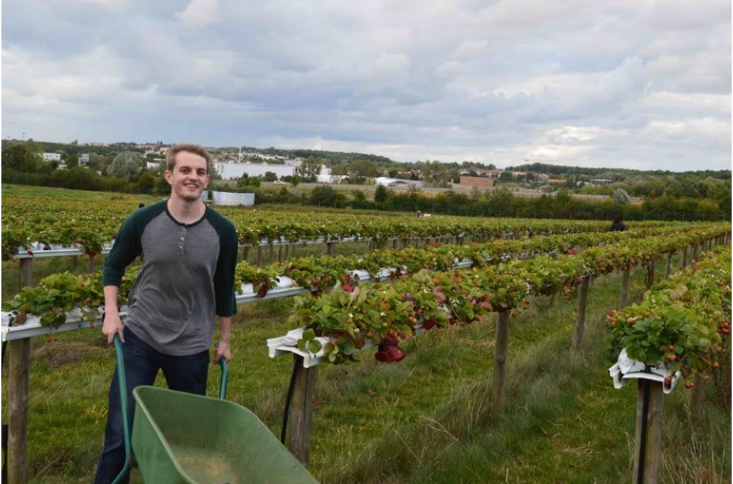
(183, 438)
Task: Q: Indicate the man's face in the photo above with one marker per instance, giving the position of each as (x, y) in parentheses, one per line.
(189, 177)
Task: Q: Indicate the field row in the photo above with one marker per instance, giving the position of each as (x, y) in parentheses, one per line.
(79, 223)
(59, 294)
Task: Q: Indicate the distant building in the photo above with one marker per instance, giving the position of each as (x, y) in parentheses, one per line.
(84, 159)
(556, 181)
(52, 157)
(476, 181)
(395, 182)
(601, 181)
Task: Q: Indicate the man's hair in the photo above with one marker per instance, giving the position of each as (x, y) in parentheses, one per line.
(170, 157)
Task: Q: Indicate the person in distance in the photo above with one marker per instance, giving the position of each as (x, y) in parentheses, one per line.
(186, 280)
(618, 225)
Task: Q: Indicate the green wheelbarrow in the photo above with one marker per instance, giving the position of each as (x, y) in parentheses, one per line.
(183, 438)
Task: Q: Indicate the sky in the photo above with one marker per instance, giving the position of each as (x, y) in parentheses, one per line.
(595, 83)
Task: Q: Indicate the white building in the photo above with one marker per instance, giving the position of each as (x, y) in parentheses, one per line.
(84, 159)
(395, 182)
(52, 157)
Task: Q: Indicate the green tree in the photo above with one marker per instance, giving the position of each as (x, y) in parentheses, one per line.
(310, 168)
(325, 196)
(146, 182)
(381, 194)
(72, 161)
(126, 165)
(621, 197)
(269, 176)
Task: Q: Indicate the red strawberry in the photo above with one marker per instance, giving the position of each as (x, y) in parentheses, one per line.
(429, 324)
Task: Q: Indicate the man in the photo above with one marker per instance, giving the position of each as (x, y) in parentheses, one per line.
(186, 279)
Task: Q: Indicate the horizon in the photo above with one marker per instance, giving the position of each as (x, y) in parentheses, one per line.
(559, 164)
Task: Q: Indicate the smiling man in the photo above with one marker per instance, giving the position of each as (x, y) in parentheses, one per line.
(189, 253)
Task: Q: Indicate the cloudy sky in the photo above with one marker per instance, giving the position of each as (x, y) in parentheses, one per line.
(626, 83)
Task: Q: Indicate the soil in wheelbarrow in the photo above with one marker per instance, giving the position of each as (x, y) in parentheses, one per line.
(206, 465)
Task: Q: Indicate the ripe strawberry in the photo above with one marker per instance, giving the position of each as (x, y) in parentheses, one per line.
(668, 381)
(689, 384)
(671, 348)
(671, 357)
(429, 324)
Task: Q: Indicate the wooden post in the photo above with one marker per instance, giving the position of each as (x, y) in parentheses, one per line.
(329, 248)
(460, 240)
(394, 243)
(580, 316)
(684, 257)
(280, 252)
(648, 446)
(698, 399)
(19, 352)
(301, 409)
(500, 350)
(245, 253)
(91, 263)
(649, 274)
(259, 255)
(668, 270)
(625, 289)
(272, 253)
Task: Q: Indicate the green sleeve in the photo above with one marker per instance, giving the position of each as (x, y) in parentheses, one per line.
(126, 248)
(128, 244)
(224, 290)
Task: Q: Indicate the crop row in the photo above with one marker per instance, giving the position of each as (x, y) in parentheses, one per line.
(682, 320)
(58, 294)
(351, 317)
(79, 224)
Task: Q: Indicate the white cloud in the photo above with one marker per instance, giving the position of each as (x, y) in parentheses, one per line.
(199, 13)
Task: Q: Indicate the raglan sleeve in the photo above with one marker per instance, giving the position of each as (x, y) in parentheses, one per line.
(224, 290)
(126, 247)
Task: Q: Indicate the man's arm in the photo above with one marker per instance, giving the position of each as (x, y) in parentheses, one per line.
(225, 327)
(112, 322)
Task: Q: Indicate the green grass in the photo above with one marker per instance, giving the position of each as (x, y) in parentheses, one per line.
(424, 420)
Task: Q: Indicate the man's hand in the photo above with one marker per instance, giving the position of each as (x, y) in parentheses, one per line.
(112, 325)
(222, 349)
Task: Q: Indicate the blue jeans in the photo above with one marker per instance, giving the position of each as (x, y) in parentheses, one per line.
(142, 362)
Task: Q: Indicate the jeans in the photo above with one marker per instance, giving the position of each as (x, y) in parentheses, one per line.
(142, 362)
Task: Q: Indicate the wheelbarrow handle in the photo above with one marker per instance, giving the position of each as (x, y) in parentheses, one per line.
(224, 377)
(122, 379)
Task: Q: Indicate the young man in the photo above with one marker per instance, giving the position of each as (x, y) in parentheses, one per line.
(187, 278)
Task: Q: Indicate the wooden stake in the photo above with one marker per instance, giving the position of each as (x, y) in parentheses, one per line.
(648, 447)
(245, 253)
(329, 248)
(698, 399)
(259, 255)
(19, 352)
(500, 350)
(684, 257)
(625, 289)
(649, 274)
(668, 270)
(580, 316)
(301, 410)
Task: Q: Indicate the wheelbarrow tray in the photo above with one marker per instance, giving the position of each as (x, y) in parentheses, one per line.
(182, 438)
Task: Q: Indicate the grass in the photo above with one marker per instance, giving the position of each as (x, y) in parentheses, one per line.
(425, 420)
